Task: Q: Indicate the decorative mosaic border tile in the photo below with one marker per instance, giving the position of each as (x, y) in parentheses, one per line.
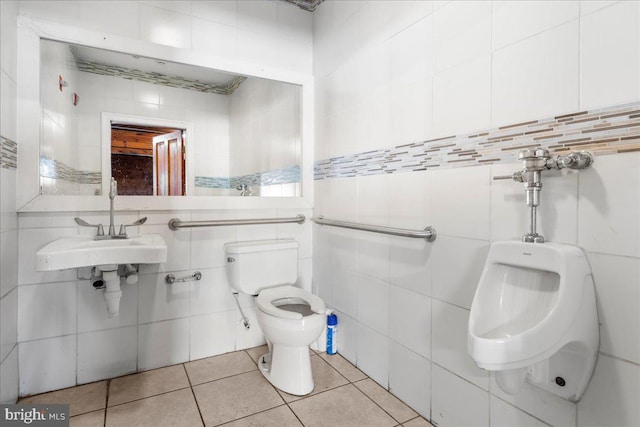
(51, 168)
(9, 153)
(286, 175)
(604, 131)
(158, 78)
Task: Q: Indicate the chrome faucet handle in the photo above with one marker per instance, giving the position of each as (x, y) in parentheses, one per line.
(123, 227)
(81, 222)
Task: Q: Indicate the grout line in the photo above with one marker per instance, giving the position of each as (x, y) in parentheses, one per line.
(148, 397)
(106, 403)
(193, 394)
(377, 404)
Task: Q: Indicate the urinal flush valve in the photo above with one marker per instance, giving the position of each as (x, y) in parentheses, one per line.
(534, 162)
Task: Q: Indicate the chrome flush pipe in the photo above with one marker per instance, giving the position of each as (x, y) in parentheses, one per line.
(534, 162)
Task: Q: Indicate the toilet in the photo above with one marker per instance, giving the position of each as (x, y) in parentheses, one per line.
(534, 319)
(291, 318)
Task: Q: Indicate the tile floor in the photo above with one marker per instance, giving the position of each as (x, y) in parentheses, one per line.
(229, 390)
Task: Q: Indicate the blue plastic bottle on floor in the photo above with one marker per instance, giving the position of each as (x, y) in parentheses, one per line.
(332, 334)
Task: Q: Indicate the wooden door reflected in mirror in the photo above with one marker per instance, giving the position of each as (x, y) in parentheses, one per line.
(148, 160)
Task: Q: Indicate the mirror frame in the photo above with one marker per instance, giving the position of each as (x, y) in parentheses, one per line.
(29, 199)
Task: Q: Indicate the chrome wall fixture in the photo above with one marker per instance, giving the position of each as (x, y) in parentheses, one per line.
(176, 224)
(534, 162)
(170, 279)
(429, 233)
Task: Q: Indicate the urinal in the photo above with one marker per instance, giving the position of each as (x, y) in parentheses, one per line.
(534, 318)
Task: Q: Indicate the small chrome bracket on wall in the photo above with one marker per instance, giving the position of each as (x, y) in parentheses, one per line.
(170, 279)
(534, 162)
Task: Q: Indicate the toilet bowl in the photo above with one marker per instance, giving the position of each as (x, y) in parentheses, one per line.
(291, 318)
(534, 319)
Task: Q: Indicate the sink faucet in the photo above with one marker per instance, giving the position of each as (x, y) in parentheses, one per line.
(113, 192)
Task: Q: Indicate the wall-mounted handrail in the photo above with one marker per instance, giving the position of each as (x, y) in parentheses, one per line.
(176, 224)
(429, 233)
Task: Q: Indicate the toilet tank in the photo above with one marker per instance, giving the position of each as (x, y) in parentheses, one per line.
(259, 264)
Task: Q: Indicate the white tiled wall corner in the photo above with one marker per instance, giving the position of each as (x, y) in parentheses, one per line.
(540, 404)
(456, 269)
(372, 354)
(8, 323)
(505, 415)
(212, 334)
(618, 300)
(611, 397)
(609, 68)
(609, 205)
(536, 77)
(107, 354)
(410, 320)
(9, 374)
(163, 343)
(456, 402)
(48, 364)
(8, 261)
(449, 331)
(47, 310)
(348, 337)
(410, 378)
(8, 216)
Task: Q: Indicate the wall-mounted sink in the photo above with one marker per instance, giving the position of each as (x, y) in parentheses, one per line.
(84, 251)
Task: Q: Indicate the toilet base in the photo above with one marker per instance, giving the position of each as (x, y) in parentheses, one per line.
(288, 369)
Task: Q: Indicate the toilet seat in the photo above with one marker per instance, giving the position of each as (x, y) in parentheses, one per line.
(265, 301)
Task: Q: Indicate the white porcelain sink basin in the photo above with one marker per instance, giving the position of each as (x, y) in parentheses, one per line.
(83, 251)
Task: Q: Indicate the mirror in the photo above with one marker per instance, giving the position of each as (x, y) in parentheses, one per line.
(163, 128)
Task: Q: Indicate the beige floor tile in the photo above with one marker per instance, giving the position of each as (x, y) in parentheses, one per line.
(417, 422)
(256, 352)
(324, 378)
(345, 407)
(235, 397)
(91, 419)
(177, 408)
(81, 399)
(343, 366)
(276, 417)
(214, 368)
(145, 384)
(386, 400)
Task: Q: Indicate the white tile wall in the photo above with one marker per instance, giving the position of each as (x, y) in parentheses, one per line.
(505, 415)
(163, 343)
(117, 346)
(9, 384)
(456, 402)
(410, 378)
(212, 334)
(610, 68)
(454, 68)
(48, 364)
(536, 76)
(47, 310)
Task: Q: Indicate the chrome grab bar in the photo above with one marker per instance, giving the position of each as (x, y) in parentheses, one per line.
(429, 233)
(176, 224)
(170, 279)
